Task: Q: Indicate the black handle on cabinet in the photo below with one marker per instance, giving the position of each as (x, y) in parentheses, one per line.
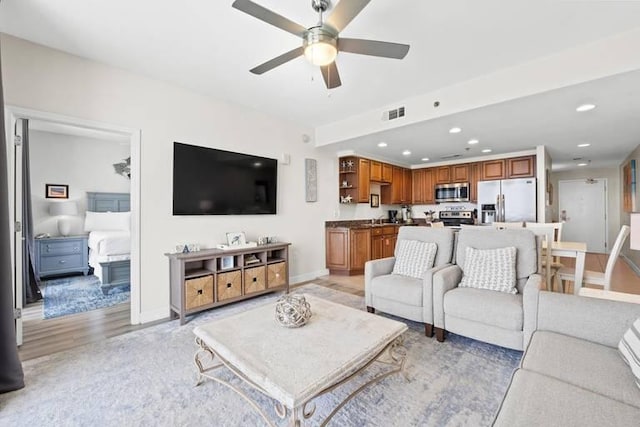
(229, 285)
(255, 279)
(199, 291)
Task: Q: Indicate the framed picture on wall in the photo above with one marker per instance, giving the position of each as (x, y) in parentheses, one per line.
(56, 191)
(375, 201)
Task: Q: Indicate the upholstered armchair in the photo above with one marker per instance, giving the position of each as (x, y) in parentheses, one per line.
(403, 295)
(482, 308)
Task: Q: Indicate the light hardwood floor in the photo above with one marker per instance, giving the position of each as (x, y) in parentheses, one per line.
(44, 337)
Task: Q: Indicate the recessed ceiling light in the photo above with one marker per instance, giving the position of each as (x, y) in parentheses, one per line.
(382, 144)
(486, 150)
(583, 164)
(473, 141)
(455, 130)
(425, 159)
(583, 145)
(406, 153)
(585, 107)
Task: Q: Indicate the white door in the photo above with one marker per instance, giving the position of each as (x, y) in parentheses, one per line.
(18, 238)
(583, 209)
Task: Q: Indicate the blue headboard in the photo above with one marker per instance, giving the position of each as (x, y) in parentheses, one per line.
(108, 202)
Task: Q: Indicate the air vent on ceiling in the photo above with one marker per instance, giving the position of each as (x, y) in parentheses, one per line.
(450, 156)
(393, 114)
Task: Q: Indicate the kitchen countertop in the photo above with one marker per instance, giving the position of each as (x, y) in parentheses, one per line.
(366, 223)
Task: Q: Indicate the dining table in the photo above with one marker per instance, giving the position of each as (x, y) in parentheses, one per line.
(576, 250)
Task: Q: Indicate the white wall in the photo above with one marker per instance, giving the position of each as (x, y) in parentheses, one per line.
(44, 79)
(82, 163)
(613, 194)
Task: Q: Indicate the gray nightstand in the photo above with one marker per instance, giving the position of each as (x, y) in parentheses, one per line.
(60, 255)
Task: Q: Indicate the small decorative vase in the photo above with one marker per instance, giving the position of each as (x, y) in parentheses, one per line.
(292, 311)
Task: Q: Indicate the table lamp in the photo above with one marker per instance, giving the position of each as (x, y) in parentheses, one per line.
(64, 210)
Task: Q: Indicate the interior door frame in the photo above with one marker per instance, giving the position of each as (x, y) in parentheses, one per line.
(606, 206)
(12, 114)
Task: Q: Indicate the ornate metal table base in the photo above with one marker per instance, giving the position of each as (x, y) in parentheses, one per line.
(393, 355)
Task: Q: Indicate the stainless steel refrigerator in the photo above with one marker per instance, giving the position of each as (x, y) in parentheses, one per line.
(507, 200)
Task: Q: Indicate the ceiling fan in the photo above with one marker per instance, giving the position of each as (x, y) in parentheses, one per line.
(321, 43)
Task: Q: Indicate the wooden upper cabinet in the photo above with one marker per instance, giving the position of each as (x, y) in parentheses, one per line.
(521, 167)
(376, 171)
(387, 172)
(417, 184)
(406, 186)
(494, 169)
(475, 175)
(443, 175)
(460, 173)
(429, 186)
(364, 170)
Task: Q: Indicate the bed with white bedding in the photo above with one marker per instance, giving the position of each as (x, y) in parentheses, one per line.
(108, 223)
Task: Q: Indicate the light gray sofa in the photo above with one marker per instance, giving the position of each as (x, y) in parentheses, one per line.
(572, 373)
(495, 317)
(404, 296)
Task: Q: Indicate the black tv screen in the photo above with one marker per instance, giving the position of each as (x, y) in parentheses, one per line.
(207, 181)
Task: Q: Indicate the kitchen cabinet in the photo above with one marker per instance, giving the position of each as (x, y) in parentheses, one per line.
(347, 249)
(376, 171)
(460, 173)
(387, 173)
(494, 169)
(383, 241)
(354, 179)
(521, 167)
(400, 189)
(423, 186)
(443, 175)
(475, 175)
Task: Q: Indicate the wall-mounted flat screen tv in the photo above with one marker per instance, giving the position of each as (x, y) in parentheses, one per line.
(207, 181)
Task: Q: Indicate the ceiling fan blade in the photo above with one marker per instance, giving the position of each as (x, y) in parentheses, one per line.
(269, 17)
(344, 12)
(331, 75)
(373, 48)
(278, 60)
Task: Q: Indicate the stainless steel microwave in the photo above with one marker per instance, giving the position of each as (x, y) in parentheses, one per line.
(457, 192)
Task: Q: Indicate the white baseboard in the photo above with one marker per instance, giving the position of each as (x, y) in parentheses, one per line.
(631, 264)
(153, 315)
(308, 276)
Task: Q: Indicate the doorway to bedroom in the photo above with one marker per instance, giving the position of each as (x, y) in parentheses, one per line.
(75, 210)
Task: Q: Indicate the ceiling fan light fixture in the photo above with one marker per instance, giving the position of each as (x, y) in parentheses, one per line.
(320, 47)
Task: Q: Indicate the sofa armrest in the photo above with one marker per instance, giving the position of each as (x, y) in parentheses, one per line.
(443, 281)
(375, 268)
(427, 292)
(530, 294)
(592, 319)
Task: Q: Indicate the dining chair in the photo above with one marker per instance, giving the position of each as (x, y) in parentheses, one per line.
(595, 277)
(503, 225)
(547, 235)
(556, 265)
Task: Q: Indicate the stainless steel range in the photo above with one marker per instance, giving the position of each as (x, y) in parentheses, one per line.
(456, 218)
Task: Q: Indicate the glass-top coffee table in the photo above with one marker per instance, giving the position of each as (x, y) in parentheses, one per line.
(295, 366)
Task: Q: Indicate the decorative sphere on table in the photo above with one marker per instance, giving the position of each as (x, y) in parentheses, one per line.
(292, 311)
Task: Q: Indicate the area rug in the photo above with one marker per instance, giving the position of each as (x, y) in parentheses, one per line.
(147, 377)
(77, 294)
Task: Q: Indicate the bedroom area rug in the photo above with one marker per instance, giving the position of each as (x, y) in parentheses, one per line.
(147, 377)
(77, 294)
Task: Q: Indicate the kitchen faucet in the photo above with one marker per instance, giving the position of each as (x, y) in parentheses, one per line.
(379, 219)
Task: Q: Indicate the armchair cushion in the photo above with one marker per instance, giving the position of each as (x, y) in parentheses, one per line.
(629, 346)
(414, 257)
(490, 308)
(492, 269)
(395, 287)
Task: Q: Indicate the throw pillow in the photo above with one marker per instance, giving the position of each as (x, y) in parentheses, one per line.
(629, 347)
(414, 257)
(493, 269)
